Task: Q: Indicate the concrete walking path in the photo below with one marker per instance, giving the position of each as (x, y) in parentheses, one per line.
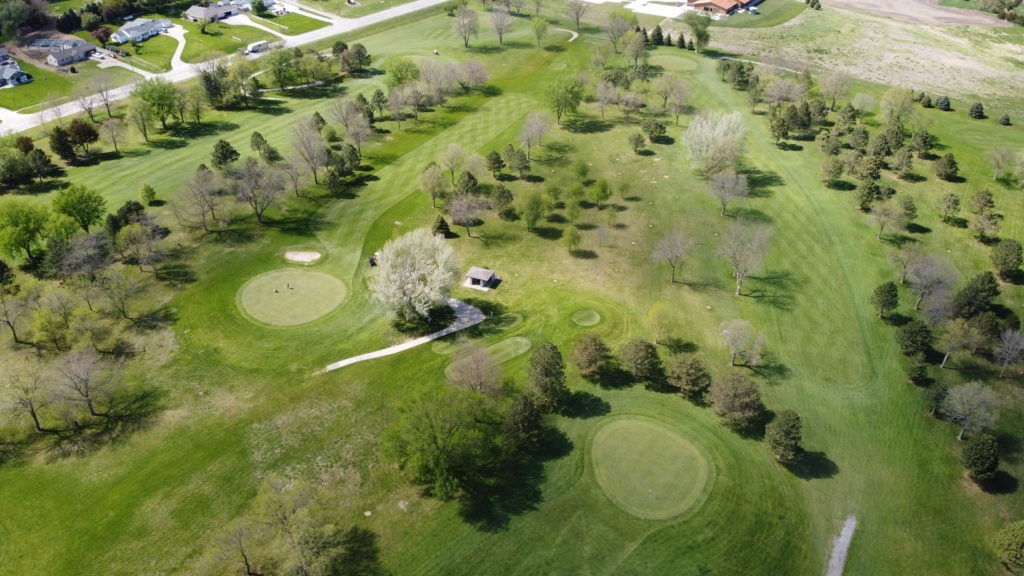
(837, 562)
(575, 34)
(465, 316)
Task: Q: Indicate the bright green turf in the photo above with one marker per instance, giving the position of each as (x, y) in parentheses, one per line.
(586, 317)
(289, 24)
(219, 39)
(501, 351)
(153, 55)
(268, 299)
(770, 13)
(53, 86)
(235, 408)
(648, 470)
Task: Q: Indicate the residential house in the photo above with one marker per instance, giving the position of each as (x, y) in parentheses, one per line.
(720, 7)
(11, 75)
(140, 29)
(71, 55)
(210, 13)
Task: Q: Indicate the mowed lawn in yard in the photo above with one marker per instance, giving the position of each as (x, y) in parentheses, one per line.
(240, 400)
(290, 24)
(52, 86)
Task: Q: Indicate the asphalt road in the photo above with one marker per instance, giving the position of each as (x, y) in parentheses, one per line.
(11, 122)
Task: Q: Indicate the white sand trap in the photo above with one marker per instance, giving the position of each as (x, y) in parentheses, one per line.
(301, 256)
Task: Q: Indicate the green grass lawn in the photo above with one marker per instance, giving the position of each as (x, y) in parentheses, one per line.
(240, 401)
(290, 24)
(51, 86)
(219, 39)
(153, 55)
(770, 13)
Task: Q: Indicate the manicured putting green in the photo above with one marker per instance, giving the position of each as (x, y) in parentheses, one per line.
(586, 317)
(648, 470)
(290, 297)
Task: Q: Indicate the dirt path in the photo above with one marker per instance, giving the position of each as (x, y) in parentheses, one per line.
(465, 316)
(922, 11)
(839, 548)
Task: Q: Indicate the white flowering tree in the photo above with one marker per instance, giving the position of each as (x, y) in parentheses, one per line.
(415, 273)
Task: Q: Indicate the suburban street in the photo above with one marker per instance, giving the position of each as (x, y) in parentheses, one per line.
(12, 122)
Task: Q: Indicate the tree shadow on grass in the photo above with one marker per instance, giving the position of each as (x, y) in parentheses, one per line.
(1010, 448)
(176, 272)
(761, 181)
(1002, 483)
(677, 345)
(154, 319)
(547, 232)
(510, 486)
(583, 254)
(169, 143)
(586, 125)
(813, 466)
(125, 414)
(583, 404)
(614, 376)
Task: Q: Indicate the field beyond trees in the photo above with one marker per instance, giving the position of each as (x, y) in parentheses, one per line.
(233, 424)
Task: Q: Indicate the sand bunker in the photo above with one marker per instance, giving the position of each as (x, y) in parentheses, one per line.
(301, 256)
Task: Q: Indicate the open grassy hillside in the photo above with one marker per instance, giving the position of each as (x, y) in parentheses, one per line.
(240, 401)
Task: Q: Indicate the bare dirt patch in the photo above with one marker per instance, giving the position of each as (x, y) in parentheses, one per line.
(302, 256)
(920, 11)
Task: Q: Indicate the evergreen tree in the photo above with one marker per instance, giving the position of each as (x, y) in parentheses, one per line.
(885, 298)
(441, 227)
(981, 457)
(547, 377)
(977, 111)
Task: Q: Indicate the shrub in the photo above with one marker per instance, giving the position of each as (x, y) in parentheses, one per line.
(784, 436)
(1009, 546)
(977, 111)
(942, 103)
(981, 457)
(1004, 120)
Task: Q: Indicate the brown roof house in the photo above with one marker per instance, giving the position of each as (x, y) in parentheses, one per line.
(722, 7)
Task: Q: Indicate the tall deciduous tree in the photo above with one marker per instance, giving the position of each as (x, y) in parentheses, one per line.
(21, 227)
(577, 9)
(784, 436)
(744, 247)
(310, 146)
(159, 95)
(931, 276)
(689, 374)
(501, 20)
(466, 24)
(736, 399)
(416, 273)
(672, 249)
(744, 342)
(564, 96)
(474, 368)
(973, 405)
(432, 182)
(727, 186)
(640, 358)
(716, 141)
(590, 356)
(1011, 349)
(86, 207)
(540, 28)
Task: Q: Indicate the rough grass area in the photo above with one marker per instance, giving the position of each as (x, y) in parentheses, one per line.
(648, 470)
(290, 24)
(290, 297)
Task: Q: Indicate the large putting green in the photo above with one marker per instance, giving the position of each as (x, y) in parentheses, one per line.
(290, 297)
(648, 470)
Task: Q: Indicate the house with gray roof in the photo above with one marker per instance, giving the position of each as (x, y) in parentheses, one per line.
(210, 13)
(11, 75)
(70, 55)
(140, 29)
